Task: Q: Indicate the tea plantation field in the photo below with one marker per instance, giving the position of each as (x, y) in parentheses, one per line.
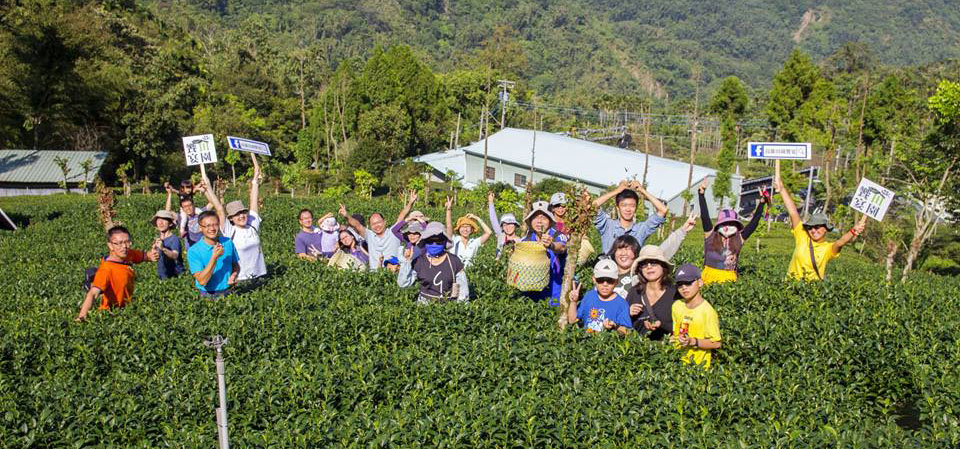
(319, 358)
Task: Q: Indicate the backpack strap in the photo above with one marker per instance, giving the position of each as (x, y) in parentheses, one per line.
(813, 260)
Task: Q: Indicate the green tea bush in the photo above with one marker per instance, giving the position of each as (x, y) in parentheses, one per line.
(323, 358)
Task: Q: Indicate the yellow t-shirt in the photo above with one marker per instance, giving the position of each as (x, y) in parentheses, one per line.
(700, 322)
(800, 265)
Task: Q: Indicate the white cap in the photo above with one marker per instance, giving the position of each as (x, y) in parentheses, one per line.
(606, 268)
(558, 198)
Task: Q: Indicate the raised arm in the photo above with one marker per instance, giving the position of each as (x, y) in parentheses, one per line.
(787, 199)
(704, 210)
(255, 186)
(411, 198)
(755, 220)
(356, 225)
(609, 195)
(850, 235)
(657, 204)
(212, 198)
(168, 204)
(487, 232)
(449, 205)
(671, 244)
(492, 209)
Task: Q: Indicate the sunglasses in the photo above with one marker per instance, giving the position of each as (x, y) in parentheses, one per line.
(606, 281)
(648, 263)
(684, 284)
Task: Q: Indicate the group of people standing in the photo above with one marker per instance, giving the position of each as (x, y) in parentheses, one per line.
(636, 289)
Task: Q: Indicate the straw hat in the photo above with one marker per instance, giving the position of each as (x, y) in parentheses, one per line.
(466, 221)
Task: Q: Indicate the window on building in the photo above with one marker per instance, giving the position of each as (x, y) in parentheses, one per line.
(490, 173)
(519, 180)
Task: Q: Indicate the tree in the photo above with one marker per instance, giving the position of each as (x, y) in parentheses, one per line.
(928, 171)
(64, 170)
(730, 102)
(383, 133)
(792, 87)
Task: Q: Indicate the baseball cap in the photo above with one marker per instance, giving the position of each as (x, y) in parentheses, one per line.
(687, 272)
(606, 268)
(391, 261)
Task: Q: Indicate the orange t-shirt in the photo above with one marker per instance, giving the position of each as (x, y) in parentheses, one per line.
(115, 280)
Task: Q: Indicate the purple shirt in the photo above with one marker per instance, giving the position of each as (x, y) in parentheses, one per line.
(304, 240)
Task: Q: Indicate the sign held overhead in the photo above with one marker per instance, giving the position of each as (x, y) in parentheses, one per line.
(199, 149)
(250, 146)
(779, 150)
(872, 199)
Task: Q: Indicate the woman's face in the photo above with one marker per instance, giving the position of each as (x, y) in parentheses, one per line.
(465, 230)
(413, 237)
(509, 228)
(817, 233)
(306, 220)
(240, 220)
(559, 210)
(346, 239)
(540, 223)
(652, 270)
(162, 224)
(624, 258)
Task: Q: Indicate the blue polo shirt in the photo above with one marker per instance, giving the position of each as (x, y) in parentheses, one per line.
(199, 255)
(610, 229)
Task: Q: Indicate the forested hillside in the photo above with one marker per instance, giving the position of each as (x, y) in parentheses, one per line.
(575, 47)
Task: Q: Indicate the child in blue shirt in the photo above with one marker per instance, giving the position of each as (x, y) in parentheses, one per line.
(601, 309)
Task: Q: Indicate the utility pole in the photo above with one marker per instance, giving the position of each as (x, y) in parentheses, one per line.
(533, 149)
(456, 138)
(217, 343)
(693, 131)
(486, 138)
(504, 97)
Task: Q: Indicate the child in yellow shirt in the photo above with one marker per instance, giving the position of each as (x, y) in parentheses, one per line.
(696, 326)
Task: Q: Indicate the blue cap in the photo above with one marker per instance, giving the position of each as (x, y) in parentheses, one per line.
(393, 260)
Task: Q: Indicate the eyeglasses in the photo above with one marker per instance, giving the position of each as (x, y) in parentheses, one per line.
(606, 281)
(210, 226)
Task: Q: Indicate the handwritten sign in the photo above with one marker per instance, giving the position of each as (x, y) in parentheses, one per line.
(872, 199)
(199, 149)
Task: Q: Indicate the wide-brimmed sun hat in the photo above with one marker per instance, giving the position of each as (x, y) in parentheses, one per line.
(728, 217)
(509, 218)
(329, 224)
(466, 221)
(234, 208)
(540, 207)
(651, 252)
(818, 220)
(433, 229)
(165, 214)
(558, 199)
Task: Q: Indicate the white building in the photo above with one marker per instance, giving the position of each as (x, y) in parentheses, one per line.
(598, 167)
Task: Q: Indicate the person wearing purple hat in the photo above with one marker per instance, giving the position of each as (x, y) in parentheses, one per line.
(696, 326)
(724, 240)
(441, 275)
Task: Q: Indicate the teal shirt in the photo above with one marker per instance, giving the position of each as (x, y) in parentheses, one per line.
(199, 255)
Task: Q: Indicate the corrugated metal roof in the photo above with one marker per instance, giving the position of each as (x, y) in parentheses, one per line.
(590, 162)
(38, 166)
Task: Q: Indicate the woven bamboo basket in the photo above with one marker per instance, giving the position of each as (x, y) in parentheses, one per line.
(529, 267)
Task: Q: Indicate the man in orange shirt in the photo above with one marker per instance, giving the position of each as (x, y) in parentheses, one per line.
(115, 277)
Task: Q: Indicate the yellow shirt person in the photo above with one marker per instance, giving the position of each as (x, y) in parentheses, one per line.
(696, 327)
(702, 323)
(812, 233)
(801, 265)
